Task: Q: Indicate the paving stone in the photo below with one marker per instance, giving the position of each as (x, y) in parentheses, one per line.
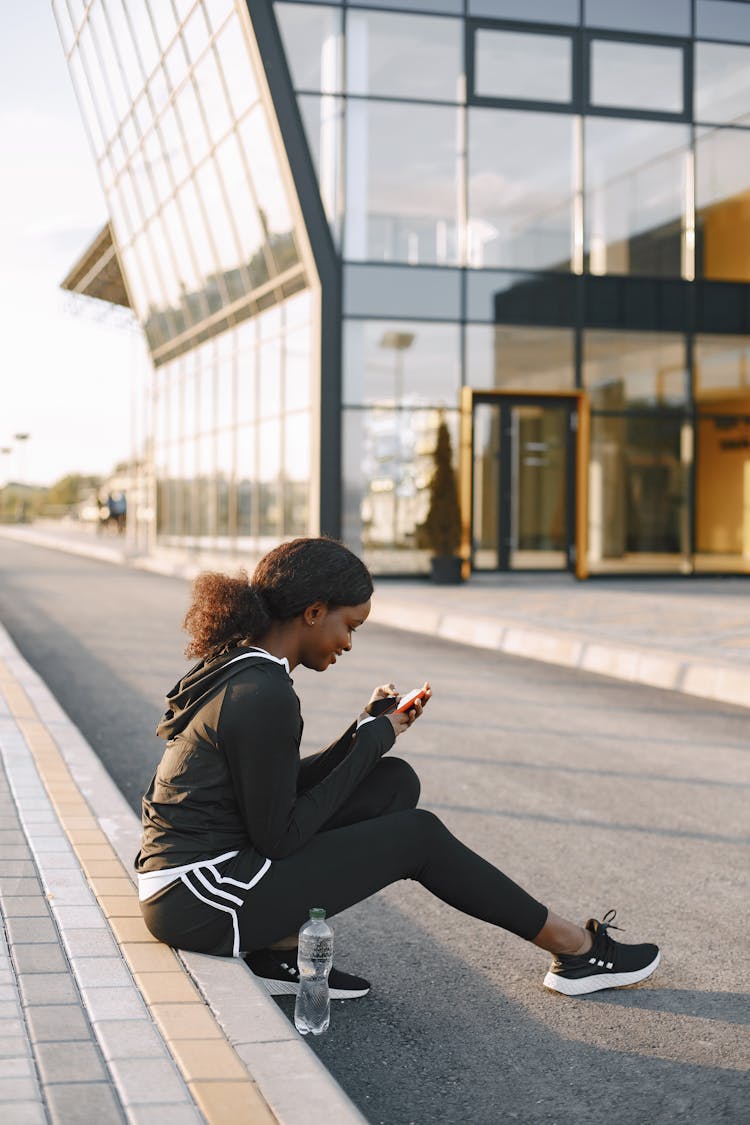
(11, 836)
(57, 859)
(19, 1067)
(12, 1026)
(55, 844)
(7, 989)
(14, 1046)
(128, 1039)
(69, 1062)
(177, 1114)
(80, 917)
(57, 1022)
(83, 1103)
(114, 1003)
(89, 943)
(48, 988)
(92, 972)
(25, 906)
(23, 931)
(147, 1080)
(18, 868)
(8, 1009)
(14, 851)
(19, 882)
(25, 1113)
(17, 1090)
(39, 959)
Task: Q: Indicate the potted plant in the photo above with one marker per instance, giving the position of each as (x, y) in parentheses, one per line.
(441, 531)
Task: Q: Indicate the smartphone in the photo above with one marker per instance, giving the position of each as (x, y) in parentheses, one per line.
(409, 700)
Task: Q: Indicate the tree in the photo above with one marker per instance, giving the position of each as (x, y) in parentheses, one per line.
(441, 531)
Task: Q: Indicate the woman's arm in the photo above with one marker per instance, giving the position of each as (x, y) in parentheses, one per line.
(259, 731)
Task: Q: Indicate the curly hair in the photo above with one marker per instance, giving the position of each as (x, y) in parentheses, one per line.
(228, 611)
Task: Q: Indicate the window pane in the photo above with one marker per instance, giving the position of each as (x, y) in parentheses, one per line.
(638, 493)
(404, 56)
(722, 367)
(667, 17)
(722, 19)
(541, 11)
(401, 362)
(449, 7)
(636, 174)
(270, 189)
(634, 369)
(512, 64)
(388, 464)
(236, 66)
(636, 76)
(722, 83)
(402, 183)
(323, 118)
(390, 291)
(520, 189)
(722, 183)
(312, 42)
(519, 358)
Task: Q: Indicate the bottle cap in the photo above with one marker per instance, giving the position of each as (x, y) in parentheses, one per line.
(317, 912)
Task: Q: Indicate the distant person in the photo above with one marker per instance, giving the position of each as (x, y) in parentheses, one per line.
(241, 836)
(117, 508)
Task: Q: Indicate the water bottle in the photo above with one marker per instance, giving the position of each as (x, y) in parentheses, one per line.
(312, 1010)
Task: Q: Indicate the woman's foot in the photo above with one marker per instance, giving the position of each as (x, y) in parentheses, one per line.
(277, 970)
(608, 964)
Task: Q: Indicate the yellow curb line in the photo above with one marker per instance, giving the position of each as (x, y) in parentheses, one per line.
(216, 1078)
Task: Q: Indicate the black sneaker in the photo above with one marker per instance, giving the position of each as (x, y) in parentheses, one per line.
(608, 964)
(277, 969)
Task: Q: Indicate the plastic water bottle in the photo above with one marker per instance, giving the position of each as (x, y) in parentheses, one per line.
(312, 1011)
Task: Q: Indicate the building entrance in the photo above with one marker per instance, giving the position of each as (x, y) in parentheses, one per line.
(524, 481)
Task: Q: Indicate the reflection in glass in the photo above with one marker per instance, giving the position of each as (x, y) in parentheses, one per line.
(722, 485)
(634, 369)
(236, 67)
(246, 478)
(519, 358)
(312, 42)
(636, 76)
(269, 473)
(401, 362)
(520, 207)
(270, 191)
(212, 97)
(387, 468)
(639, 493)
(486, 487)
(722, 19)
(403, 56)
(722, 83)
(722, 183)
(541, 11)
(666, 17)
(722, 368)
(297, 453)
(537, 532)
(514, 64)
(402, 183)
(323, 118)
(636, 176)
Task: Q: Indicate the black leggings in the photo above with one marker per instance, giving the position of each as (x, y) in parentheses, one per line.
(376, 838)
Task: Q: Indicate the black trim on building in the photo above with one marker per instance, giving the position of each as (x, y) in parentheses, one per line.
(327, 263)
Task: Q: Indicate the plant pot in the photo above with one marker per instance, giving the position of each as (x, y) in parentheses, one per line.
(446, 570)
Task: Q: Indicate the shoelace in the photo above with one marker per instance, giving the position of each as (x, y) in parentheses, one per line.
(603, 946)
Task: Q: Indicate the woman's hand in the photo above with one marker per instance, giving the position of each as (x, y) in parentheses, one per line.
(402, 722)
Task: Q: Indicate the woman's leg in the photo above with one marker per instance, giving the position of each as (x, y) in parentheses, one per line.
(341, 867)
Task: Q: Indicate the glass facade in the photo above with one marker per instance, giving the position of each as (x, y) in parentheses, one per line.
(202, 209)
(522, 197)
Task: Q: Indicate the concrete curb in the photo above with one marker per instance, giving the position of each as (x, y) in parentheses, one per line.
(288, 1075)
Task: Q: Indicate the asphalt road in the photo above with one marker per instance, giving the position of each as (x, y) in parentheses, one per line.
(591, 793)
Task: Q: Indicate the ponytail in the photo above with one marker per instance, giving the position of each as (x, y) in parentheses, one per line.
(225, 611)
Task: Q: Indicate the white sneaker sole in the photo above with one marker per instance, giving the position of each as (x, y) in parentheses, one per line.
(580, 986)
(289, 988)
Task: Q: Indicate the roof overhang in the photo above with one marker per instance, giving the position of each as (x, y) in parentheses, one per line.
(97, 272)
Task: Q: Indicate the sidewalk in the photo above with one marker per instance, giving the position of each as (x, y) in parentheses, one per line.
(99, 1023)
(683, 634)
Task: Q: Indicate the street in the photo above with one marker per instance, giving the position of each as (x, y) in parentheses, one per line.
(589, 792)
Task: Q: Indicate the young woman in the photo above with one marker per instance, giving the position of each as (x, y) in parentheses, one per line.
(241, 836)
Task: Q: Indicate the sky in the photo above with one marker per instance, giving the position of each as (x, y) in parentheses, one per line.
(66, 377)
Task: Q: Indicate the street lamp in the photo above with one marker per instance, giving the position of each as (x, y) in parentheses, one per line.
(21, 439)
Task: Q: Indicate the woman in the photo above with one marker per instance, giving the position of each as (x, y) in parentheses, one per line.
(241, 837)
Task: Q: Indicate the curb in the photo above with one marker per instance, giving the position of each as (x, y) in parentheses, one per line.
(238, 1057)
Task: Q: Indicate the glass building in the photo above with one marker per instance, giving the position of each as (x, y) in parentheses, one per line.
(341, 222)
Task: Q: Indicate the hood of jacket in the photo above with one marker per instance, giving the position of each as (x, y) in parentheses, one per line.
(202, 681)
